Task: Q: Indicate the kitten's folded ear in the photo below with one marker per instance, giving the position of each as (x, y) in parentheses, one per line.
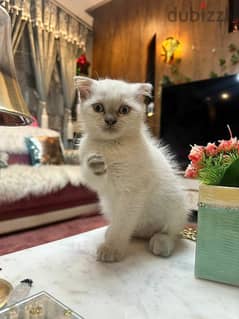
(143, 90)
(84, 86)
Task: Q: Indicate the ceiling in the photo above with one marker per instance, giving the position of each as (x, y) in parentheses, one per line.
(79, 7)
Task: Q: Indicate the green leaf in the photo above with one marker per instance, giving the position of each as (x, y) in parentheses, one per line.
(213, 75)
(174, 69)
(166, 80)
(222, 62)
(187, 79)
(231, 175)
(232, 47)
(234, 59)
(211, 176)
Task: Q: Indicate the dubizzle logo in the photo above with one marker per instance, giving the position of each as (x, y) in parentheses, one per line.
(203, 5)
(201, 15)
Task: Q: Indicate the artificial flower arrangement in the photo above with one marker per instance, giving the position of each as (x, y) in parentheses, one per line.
(215, 163)
(82, 65)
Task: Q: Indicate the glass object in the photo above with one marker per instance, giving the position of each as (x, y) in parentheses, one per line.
(39, 306)
(5, 290)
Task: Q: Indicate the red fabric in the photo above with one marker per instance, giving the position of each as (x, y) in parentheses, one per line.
(69, 196)
(45, 234)
(19, 159)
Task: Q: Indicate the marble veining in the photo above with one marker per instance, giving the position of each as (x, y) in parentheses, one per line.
(141, 287)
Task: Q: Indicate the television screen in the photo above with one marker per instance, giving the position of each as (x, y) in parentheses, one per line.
(198, 113)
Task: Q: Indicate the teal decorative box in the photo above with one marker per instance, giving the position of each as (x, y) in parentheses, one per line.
(217, 248)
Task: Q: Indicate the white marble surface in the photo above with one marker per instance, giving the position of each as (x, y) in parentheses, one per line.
(142, 286)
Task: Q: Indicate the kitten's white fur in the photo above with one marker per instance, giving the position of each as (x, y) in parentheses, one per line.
(137, 186)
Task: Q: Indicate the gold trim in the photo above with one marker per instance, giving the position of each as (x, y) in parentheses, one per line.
(219, 195)
(5, 290)
(189, 233)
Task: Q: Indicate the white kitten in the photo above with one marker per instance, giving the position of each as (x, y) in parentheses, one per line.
(138, 189)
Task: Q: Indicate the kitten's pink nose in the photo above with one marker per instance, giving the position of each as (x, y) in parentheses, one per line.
(110, 119)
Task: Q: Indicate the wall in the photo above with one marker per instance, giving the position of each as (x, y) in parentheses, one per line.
(123, 29)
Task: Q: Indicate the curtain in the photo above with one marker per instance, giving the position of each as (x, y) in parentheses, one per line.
(72, 41)
(42, 34)
(55, 37)
(19, 11)
(55, 101)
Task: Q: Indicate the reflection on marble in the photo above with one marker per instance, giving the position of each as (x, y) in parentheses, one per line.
(142, 286)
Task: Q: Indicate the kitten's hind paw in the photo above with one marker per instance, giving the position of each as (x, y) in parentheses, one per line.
(161, 245)
(108, 253)
(97, 164)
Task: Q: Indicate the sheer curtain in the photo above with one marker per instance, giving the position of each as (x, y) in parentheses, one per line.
(19, 11)
(55, 38)
(42, 34)
(71, 43)
(20, 15)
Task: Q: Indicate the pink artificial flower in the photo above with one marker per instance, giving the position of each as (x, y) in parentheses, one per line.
(191, 171)
(82, 59)
(228, 145)
(196, 154)
(211, 149)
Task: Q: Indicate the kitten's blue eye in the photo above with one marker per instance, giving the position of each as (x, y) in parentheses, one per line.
(124, 109)
(98, 107)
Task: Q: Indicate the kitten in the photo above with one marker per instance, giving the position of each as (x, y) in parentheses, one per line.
(137, 187)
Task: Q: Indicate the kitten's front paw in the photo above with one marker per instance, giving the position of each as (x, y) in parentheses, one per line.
(161, 245)
(110, 254)
(97, 164)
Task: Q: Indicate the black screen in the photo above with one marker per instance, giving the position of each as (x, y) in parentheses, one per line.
(233, 15)
(150, 67)
(198, 113)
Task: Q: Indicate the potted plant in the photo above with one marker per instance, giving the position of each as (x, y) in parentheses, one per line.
(216, 165)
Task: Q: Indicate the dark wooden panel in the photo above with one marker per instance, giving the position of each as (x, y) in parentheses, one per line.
(124, 28)
(121, 37)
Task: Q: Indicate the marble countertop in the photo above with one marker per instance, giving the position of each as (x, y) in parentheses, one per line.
(141, 287)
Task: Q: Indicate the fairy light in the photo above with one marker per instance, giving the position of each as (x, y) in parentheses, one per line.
(225, 96)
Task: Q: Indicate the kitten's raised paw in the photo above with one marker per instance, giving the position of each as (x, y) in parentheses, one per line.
(108, 253)
(161, 245)
(97, 164)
